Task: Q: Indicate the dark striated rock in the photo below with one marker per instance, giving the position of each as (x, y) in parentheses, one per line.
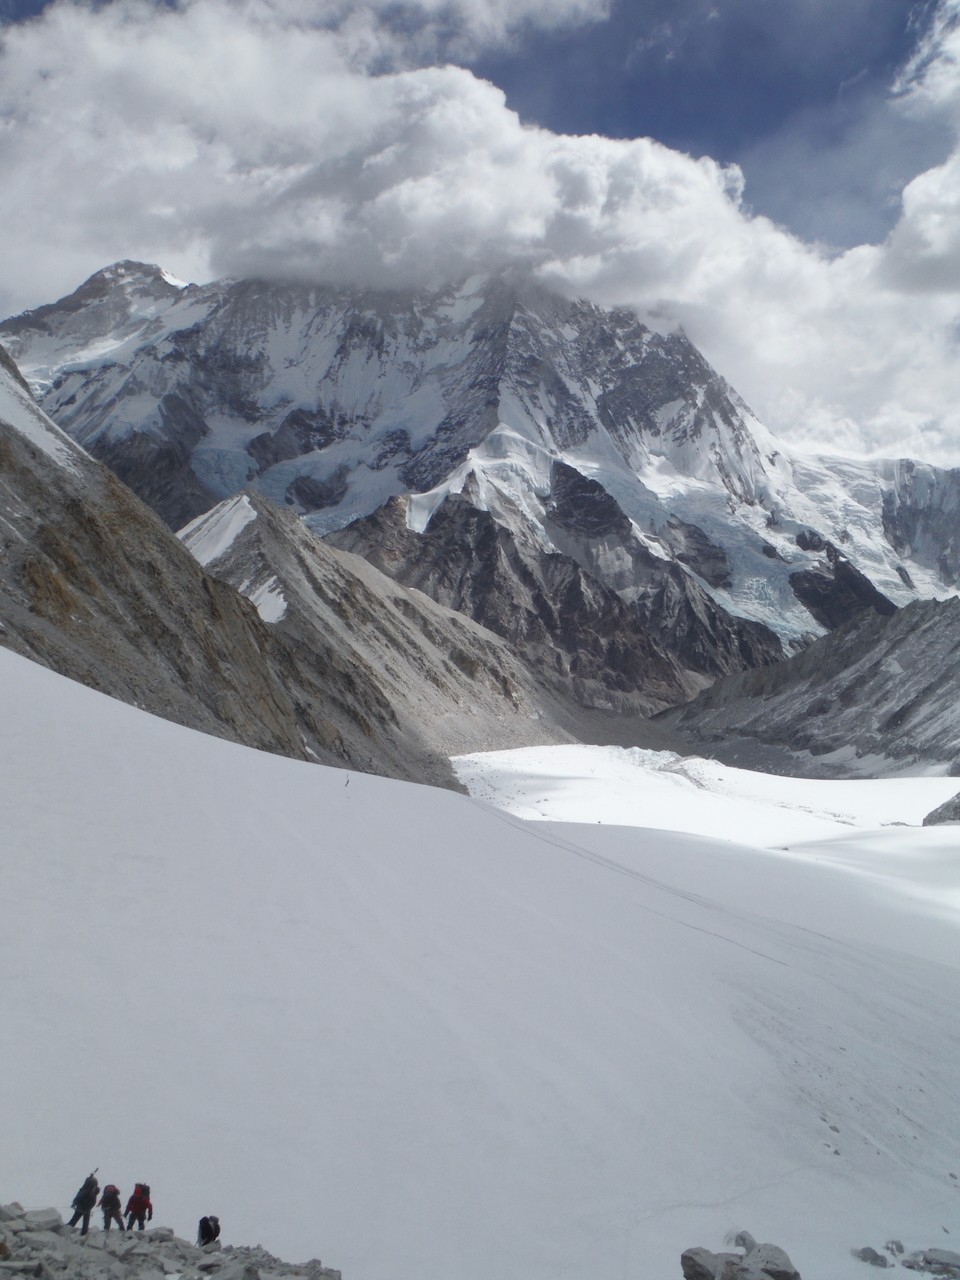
(949, 811)
(572, 627)
(588, 524)
(836, 590)
(694, 549)
(875, 686)
(311, 494)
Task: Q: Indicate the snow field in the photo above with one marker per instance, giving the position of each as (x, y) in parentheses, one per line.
(416, 1037)
(638, 788)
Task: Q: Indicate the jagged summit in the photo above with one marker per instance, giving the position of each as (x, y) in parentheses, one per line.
(534, 409)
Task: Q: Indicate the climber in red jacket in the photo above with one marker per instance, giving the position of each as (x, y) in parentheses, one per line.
(139, 1207)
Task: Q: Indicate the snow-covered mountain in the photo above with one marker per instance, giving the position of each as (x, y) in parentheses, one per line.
(581, 432)
(878, 696)
(335, 663)
(394, 1028)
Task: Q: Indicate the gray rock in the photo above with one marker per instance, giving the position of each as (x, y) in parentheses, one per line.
(866, 1254)
(698, 1264)
(43, 1219)
(767, 1262)
(949, 811)
(11, 1211)
(894, 1246)
(938, 1262)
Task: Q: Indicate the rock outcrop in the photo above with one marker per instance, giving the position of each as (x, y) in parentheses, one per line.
(949, 811)
(37, 1243)
(934, 1262)
(757, 1262)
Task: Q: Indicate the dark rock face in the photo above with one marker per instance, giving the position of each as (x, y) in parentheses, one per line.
(875, 687)
(567, 623)
(315, 495)
(694, 549)
(673, 608)
(835, 590)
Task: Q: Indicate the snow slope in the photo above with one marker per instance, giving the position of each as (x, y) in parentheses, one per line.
(414, 1036)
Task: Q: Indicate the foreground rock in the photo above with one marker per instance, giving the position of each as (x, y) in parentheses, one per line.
(935, 1262)
(757, 1262)
(37, 1243)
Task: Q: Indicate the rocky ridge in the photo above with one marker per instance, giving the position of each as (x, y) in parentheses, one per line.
(447, 681)
(37, 1243)
(875, 696)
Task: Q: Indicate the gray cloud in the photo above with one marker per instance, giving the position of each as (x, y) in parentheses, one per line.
(220, 138)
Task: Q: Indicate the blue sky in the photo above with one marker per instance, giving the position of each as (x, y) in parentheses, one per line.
(794, 91)
(781, 178)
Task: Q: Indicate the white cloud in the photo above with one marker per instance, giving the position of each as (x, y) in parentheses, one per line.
(222, 138)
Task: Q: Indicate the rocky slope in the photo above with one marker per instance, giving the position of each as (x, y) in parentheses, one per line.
(93, 585)
(876, 696)
(446, 680)
(564, 619)
(35, 1242)
(581, 432)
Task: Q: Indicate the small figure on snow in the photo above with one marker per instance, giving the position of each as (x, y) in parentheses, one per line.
(84, 1203)
(139, 1206)
(110, 1204)
(209, 1230)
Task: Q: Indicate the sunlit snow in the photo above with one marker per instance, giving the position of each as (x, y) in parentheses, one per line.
(406, 1032)
(638, 788)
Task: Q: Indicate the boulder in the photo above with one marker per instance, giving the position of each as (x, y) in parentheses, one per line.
(938, 1262)
(10, 1211)
(866, 1254)
(767, 1262)
(43, 1219)
(701, 1264)
(949, 811)
(698, 1264)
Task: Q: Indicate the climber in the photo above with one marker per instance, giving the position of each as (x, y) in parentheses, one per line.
(208, 1231)
(84, 1202)
(110, 1204)
(139, 1206)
